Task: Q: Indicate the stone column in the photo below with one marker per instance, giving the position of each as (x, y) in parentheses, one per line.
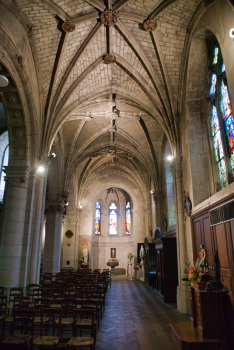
(14, 243)
(52, 250)
(182, 289)
(35, 261)
(158, 208)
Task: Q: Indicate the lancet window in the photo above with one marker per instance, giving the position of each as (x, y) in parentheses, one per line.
(98, 219)
(222, 121)
(113, 219)
(128, 218)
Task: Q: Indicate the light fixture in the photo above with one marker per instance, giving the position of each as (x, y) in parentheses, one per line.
(81, 206)
(170, 158)
(3, 81)
(41, 169)
(53, 155)
(65, 201)
(231, 33)
(151, 191)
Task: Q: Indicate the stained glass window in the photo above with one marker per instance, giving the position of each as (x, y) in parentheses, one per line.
(216, 53)
(219, 154)
(228, 121)
(213, 85)
(222, 121)
(98, 219)
(112, 219)
(128, 218)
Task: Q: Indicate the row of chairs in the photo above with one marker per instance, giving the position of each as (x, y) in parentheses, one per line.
(22, 337)
(67, 300)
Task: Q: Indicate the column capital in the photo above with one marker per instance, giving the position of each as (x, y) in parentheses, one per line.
(176, 164)
(17, 176)
(55, 207)
(157, 196)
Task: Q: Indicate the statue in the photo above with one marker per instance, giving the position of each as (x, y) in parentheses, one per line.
(85, 254)
(203, 259)
(141, 253)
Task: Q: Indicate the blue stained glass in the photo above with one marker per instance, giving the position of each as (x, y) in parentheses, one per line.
(213, 85)
(228, 121)
(98, 219)
(225, 101)
(215, 57)
(113, 219)
(223, 68)
(128, 218)
(218, 147)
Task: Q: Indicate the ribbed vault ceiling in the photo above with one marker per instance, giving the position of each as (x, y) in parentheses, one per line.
(143, 84)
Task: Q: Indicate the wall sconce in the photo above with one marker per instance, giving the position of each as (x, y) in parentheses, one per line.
(81, 206)
(231, 33)
(3, 81)
(53, 155)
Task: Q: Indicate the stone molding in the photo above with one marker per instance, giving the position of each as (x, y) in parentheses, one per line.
(17, 176)
(70, 221)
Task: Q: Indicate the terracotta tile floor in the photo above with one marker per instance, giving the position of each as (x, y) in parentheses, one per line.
(135, 318)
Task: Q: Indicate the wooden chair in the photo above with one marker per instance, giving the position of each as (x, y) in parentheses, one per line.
(3, 311)
(14, 292)
(49, 331)
(83, 324)
(1, 290)
(30, 290)
(22, 331)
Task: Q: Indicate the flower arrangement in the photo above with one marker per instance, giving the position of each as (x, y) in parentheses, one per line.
(81, 258)
(136, 267)
(113, 259)
(193, 271)
(130, 256)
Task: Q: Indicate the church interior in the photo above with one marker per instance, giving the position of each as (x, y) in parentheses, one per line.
(116, 133)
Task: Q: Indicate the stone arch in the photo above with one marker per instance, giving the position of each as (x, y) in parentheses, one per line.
(196, 115)
(20, 97)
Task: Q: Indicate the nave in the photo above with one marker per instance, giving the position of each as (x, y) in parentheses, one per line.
(136, 319)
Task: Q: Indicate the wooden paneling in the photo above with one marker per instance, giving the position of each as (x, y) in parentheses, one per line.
(222, 245)
(218, 238)
(208, 241)
(197, 235)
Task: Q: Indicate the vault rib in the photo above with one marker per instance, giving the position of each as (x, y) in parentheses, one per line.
(118, 5)
(166, 77)
(162, 7)
(96, 4)
(65, 77)
(55, 9)
(129, 38)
